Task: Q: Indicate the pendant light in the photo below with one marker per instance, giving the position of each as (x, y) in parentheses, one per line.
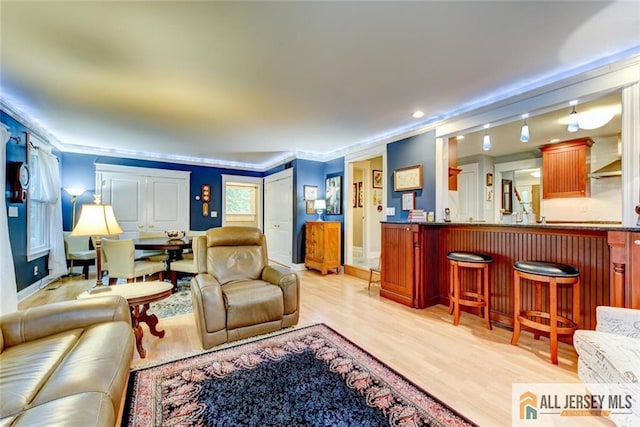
(486, 139)
(524, 133)
(574, 126)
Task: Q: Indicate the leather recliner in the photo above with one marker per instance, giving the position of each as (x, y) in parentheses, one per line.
(241, 295)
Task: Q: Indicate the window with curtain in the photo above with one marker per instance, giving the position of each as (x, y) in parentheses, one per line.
(240, 199)
(37, 227)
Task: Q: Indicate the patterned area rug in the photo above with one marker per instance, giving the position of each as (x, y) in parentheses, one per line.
(309, 376)
(177, 304)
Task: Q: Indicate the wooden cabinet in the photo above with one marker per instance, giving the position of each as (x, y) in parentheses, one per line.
(625, 268)
(322, 246)
(565, 169)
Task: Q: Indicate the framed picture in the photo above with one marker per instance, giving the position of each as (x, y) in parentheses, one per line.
(354, 195)
(377, 197)
(376, 178)
(360, 193)
(333, 195)
(408, 201)
(310, 192)
(310, 209)
(409, 178)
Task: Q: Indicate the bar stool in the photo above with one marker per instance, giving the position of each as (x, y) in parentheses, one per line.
(553, 275)
(482, 296)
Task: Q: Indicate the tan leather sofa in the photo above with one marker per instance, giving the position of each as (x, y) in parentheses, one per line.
(241, 295)
(66, 363)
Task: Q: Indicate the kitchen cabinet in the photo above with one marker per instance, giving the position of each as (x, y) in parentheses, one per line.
(565, 169)
(145, 199)
(322, 246)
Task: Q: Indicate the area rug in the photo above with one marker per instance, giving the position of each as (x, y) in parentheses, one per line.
(177, 304)
(310, 376)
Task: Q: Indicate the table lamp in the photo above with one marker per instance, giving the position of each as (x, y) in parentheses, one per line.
(319, 205)
(97, 220)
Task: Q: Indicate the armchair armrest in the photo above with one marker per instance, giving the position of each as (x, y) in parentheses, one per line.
(617, 320)
(208, 303)
(37, 322)
(288, 282)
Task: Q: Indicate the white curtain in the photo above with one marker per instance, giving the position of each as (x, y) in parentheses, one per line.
(48, 190)
(8, 288)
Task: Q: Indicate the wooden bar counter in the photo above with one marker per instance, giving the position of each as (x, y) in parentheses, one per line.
(415, 271)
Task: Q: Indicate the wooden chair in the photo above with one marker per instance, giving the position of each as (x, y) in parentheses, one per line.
(375, 270)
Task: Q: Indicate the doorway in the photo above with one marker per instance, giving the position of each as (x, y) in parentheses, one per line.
(278, 216)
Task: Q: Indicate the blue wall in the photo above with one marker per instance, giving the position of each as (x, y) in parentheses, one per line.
(419, 149)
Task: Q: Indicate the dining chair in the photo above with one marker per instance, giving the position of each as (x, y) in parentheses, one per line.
(78, 254)
(195, 264)
(120, 257)
(151, 254)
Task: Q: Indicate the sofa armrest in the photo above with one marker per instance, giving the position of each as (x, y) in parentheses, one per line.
(617, 320)
(208, 303)
(288, 282)
(38, 322)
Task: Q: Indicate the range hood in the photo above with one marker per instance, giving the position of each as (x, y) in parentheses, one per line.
(612, 169)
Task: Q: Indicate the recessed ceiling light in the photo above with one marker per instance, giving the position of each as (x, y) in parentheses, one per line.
(417, 114)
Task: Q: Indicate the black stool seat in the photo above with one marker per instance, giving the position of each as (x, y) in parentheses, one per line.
(543, 268)
(469, 257)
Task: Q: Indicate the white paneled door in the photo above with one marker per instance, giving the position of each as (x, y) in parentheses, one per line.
(278, 202)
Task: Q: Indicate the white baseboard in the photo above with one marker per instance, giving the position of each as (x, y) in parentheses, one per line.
(35, 287)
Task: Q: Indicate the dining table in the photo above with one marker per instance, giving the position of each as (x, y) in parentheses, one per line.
(172, 247)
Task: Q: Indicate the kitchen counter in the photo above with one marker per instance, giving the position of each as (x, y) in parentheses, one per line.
(604, 226)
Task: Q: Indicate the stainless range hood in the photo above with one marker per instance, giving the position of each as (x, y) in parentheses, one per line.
(612, 169)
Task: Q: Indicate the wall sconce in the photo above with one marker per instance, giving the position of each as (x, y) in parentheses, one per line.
(486, 139)
(319, 205)
(524, 133)
(574, 125)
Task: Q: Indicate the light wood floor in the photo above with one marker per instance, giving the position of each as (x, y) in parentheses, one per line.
(468, 367)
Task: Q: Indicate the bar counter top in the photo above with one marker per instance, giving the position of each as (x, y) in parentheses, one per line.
(566, 225)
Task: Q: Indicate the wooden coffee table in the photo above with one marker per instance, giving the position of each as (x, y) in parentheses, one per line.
(139, 295)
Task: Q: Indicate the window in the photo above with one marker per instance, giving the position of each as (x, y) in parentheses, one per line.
(37, 226)
(240, 199)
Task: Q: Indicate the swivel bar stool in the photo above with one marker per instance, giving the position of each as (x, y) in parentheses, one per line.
(457, 297)
(553, 275)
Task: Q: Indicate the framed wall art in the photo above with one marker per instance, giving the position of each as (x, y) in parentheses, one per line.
(360, 194)
(376, 178)
(409, 178)
(333, 195)
(310, 192)
(354, 195)
(310, 207)
(408, 201)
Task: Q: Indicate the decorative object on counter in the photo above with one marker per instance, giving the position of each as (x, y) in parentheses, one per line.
(333, 195)
(407, 178)
(319, 205)
(417, 215)
(376, 178)
(431, 216)
(310, 192)
(447, 215)
(408, 201)
(175, 234)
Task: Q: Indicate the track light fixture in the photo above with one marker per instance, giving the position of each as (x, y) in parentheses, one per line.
(486, 139)
(524, 133)
(573, 126)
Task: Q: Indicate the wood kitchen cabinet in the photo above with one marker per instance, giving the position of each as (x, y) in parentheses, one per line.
(625, 268)
(565, 169)
(322, 246)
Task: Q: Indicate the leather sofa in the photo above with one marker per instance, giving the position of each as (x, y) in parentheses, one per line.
(241, 295)
(65, 363)
(609, 357)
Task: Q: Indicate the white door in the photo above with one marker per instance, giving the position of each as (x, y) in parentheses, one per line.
(468, 206)
(145, 199)
(278, 224)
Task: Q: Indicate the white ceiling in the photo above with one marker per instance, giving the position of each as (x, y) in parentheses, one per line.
(256, 82)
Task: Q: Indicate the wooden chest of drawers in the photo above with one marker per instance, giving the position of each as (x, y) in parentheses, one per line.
(322, 246)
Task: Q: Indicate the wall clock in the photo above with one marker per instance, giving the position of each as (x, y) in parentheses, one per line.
(20, 178)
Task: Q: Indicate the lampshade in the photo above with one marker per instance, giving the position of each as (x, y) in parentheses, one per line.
(524, 133)
(96, 220)
(319, 204)
(486, 142)
(75, 191)
(574, 126)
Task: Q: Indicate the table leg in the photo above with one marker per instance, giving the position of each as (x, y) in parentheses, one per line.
(137, 330)
(151, 320)
(173, 255)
